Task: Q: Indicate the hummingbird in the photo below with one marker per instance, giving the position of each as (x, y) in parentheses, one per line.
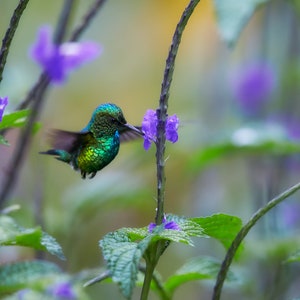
(97, 144)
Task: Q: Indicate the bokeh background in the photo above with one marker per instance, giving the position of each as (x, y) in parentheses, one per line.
(219, 94)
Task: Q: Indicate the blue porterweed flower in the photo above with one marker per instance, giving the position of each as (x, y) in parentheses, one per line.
(58, 60)
(62, 290)
(171, 225)
(253, 86)
(3, 103)
(149, 126)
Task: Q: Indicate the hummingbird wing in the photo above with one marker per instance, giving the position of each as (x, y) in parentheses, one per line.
(68, 140)
(128, 134)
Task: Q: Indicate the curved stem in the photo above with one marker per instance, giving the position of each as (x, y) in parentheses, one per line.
(156, 251)
(10, 32)
(163, 108)
(242, 234)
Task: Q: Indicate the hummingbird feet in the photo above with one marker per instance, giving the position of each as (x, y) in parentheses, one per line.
(83, 175)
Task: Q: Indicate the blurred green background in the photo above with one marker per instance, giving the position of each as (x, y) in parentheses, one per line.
(135, 36)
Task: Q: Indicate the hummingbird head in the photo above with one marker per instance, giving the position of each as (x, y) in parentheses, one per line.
(108, 118)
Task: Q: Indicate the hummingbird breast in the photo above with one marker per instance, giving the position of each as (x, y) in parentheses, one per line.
(97, 154)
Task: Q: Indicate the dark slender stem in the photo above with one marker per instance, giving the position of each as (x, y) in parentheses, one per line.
(14, 21)
(158, 248)
(63, 22)
(86, 20)
(242, 234)
(163, 107)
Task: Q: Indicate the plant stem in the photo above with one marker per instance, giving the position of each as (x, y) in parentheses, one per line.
(158, 248)
(150, 266)
(242, 234)
(10, 32)
(163, 108)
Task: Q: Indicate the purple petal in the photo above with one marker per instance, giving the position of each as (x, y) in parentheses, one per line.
(43, 48)
(172, 225)
(58, 60)
(172, 128)
(151, 227)
(3, 103)
(76, 54)
(149, 125)
(63, 290)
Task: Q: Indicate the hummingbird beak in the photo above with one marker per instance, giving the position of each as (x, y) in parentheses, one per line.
(135, 129)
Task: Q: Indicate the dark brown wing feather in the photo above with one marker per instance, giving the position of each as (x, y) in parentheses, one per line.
(67, 140)
(127, 134)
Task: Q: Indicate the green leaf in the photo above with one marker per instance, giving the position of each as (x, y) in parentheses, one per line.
(50, 244)
(188, 226)
(197, 268)
(14, 119)
(222, 227)
(232, 16)
(123, 257)
(252, 139)
(11, 234)
(25, 274)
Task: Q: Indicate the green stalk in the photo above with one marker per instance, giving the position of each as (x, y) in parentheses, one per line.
(242, 234)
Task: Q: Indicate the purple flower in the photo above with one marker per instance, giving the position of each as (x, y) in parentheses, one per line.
(149, 126)
(58, 60)
(171, 225)
(62, 290)
(253, 86)
(172, 128)
(3, 103)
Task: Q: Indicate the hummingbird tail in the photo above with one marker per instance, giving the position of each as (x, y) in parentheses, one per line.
(60, 154)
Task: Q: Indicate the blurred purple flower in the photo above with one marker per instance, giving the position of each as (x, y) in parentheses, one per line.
(290, 215)
(149, 126)
(58, 60)
(253, 85)
(171, 225)
(3, 103)
(62, 290)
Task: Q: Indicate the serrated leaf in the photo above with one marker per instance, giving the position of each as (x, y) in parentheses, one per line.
(221, 227)
(197, 268)
(190, 227)
(11, 234)
(14, 119)
(136, 234)
(25, 274)
(51, 245)
(232, 16)
(178, 236)
(123, 257)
